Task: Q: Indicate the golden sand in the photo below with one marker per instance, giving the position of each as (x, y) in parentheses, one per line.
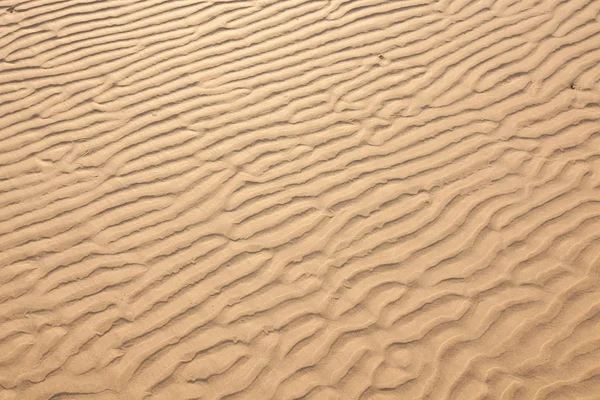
(299, 199)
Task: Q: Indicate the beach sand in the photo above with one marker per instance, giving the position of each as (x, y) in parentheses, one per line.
(299, 199)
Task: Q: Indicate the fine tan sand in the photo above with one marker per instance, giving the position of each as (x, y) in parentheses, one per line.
(299, 199)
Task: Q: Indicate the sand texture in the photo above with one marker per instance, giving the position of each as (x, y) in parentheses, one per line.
(299, 199)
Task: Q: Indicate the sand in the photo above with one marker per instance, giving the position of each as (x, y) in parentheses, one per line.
(299, 199)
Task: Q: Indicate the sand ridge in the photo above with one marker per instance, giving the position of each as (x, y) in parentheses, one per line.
(294, 199)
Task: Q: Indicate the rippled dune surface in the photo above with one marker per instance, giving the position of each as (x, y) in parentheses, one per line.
(299, 199)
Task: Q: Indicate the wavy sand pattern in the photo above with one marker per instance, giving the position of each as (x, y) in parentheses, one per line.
(299, 199)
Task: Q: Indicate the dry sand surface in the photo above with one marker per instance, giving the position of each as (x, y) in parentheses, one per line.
(299, 199)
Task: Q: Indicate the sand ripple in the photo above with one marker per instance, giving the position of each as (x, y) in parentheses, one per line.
(294, 199)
